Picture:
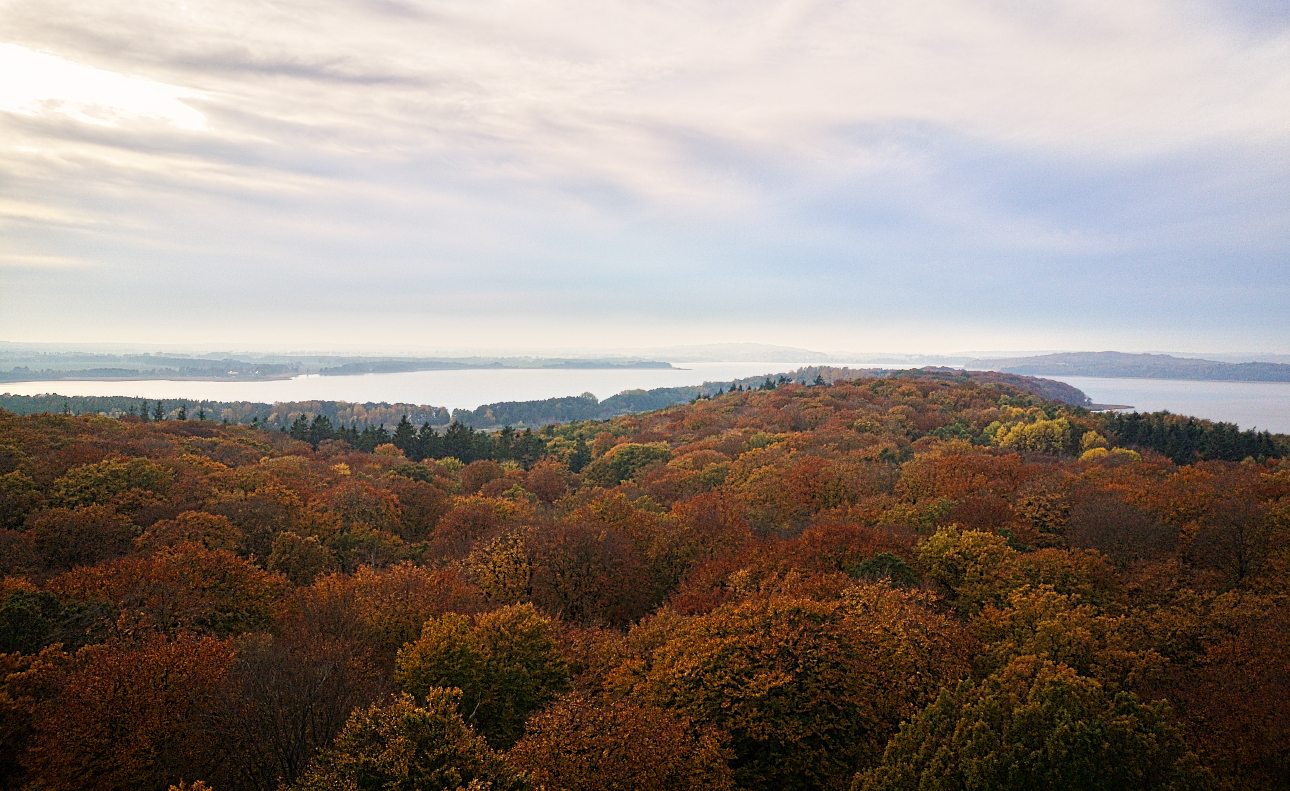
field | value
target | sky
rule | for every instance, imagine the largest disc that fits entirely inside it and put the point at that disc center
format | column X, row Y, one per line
column 928, row 176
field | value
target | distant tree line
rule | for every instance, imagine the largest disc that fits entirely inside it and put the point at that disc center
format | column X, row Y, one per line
column 156, row 367
column 458, row 441
column 276, row 415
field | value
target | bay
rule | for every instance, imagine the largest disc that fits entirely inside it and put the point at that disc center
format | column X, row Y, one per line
column 1250, row 405
column 462, row 389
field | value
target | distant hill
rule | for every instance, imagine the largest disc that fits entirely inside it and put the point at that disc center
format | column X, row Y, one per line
column 1044, row 388
column 1137, row 366
column 586, row 407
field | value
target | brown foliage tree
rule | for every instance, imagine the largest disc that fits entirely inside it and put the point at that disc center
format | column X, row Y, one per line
column 209, row 530
column 184, row 587
column 614, row 745
column 808, row 691
column 478, row 473
column 284, row 700
column 378, row 609
column 588, row 573
column 421, row 505
column 126, row 715
column 82, row 536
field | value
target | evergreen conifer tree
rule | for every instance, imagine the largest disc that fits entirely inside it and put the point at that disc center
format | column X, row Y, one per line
column 427, row 443
column 405, row 437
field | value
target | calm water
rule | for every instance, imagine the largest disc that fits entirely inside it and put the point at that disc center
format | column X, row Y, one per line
column 1261, row 405
column 452, row 389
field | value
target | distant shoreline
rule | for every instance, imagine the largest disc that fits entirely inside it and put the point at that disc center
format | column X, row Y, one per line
column 334, row 372
column 274, row 378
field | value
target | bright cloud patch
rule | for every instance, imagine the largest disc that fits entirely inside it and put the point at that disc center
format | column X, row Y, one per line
column 34, row 83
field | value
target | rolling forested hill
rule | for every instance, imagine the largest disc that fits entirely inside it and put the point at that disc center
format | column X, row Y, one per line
column 1145, row 366
column 916, row 581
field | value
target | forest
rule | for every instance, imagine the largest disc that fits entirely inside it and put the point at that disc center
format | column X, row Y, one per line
column 924, row 581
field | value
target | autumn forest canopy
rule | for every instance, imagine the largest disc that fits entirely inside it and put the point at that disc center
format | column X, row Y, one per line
column 924, row 581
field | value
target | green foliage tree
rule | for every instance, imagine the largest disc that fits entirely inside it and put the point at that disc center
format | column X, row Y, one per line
column 405, row 437
column 19, row 496
column 408, row 745
column 99, row 483
column 1037, row 726
column 581, row 455
column 299, row 428
column 506, row 665
column 27, row 617
column 973, row 567
column 622, row 462
column 299, row 558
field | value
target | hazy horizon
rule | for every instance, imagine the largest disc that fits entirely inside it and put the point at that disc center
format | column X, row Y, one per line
column 680, row 353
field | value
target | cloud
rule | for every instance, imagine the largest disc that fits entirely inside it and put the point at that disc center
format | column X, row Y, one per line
column 514, row 164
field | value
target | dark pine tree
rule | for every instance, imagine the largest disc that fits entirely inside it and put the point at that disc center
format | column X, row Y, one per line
column 405, row 437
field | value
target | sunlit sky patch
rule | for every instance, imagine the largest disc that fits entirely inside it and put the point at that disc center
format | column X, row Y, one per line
column 36, row 82
column 928, row 176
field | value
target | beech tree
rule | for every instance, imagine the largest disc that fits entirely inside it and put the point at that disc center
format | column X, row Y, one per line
column 283, row 700
column 808, row 691
column 127, row 715
column 578, row 744
column 505, row 663
column 70, row 537
column 410, row 745
column 588, row 573
column 95, row 484
column 1037, row 725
